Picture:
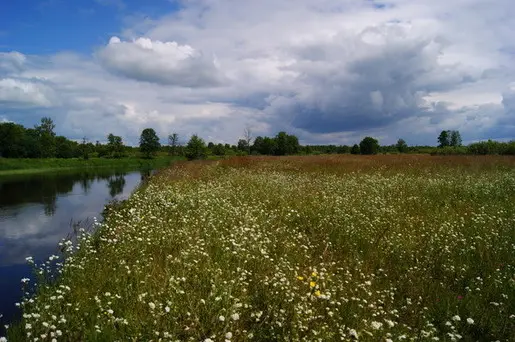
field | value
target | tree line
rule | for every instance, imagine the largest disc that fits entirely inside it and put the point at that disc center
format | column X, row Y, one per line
column 16, row 141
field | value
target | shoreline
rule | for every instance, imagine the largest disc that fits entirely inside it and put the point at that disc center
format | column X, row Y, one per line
column 40, row 166
column 260, row 248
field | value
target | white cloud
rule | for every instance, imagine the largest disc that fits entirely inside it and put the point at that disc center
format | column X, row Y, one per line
column 25, row 93
column 160, row 62
column 327, row 70
column 11, row 61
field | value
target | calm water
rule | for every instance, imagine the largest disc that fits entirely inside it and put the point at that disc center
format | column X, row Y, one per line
column 37, row 211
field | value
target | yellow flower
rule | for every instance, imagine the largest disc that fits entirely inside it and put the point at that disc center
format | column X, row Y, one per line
column 314, row 274
column 300, row 277
column 317, row 293
column 312, row 284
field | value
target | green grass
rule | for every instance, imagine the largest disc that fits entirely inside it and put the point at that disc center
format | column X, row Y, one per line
column 413, row 248
column 13, row 166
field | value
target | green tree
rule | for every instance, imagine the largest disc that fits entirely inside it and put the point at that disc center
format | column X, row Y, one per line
column 46, row 126
column 343, row 149
column 46, row 137
column 455, row 139
column 265, row 146
column 243, row 145
column 31, row 144
column 369, row 145
column 64, row 148
column 257, row 147
column 85, row 150
column 12, row 137
column 149, row 142
column 281, row 140
column 444, row 139
column 196, row 148
column 286, row 144
column 293, row 145
column 115, row 146
column 401, row 146
column 219, row 150
column 355, row 149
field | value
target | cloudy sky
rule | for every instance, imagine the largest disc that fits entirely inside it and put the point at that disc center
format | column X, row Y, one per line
column 329, row 71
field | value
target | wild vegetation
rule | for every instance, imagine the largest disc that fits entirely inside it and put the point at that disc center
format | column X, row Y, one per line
column 41, row 141
column 9, row 166
column 319, row 248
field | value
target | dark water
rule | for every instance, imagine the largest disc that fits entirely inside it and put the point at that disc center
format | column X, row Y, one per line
column 37, row 211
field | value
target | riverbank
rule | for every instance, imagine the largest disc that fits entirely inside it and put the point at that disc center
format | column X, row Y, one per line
column 12, row 166
column 294, row 248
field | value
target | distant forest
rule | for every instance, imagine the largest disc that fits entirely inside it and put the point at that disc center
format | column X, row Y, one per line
column 17, row 141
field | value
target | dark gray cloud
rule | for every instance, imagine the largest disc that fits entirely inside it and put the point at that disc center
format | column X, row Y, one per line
column 377, row 85
column 330, row 72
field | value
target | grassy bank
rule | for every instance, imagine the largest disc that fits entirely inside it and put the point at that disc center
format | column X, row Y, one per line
column 10, row 166
column 382, row 248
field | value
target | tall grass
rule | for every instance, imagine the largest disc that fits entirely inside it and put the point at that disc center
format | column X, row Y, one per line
column 25, row 165
column 384, row 248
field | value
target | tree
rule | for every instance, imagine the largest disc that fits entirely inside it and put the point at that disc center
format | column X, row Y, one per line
column 115, row 145
column 281, row 140
column 369, row 145
column 243, row 145
column 455, row 140
column 64, row 148
column 149, row 142
column 218, row 150
column 401, row 146
column 47, row 126
column 84, row 148
column 173, row 142
column 31, row 144
column 247, row 136
column 12, row 138
column 443, row 139
column 293, row 145
column 286, row 144
column 46, row 137
column 269, row 146
column 196, row 148
column 343, row 149
column 257, row 147
column 355, row 149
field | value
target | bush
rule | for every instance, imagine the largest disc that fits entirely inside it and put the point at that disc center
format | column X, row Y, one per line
column 450, row 151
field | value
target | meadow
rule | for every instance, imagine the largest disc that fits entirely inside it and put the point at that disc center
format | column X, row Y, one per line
column 19, row 166
column 316, row 248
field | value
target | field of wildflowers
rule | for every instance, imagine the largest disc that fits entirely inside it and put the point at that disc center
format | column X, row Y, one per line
column 380, row 248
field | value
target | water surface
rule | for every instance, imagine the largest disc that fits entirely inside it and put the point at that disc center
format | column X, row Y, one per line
column 37, row 211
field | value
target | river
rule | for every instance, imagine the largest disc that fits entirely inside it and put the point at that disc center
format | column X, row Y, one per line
column 37, row 211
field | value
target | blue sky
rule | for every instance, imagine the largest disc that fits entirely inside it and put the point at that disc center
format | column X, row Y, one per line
column 329, row 71
column 52, row 26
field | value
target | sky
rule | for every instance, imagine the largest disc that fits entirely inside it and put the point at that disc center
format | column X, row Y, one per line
column 328, row 71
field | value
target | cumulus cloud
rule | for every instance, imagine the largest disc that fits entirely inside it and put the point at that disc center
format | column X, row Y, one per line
column 330, row 71
column 11, row 61
column 166, row 63
column 382, row 80
column 330, row 67
column 25, row 93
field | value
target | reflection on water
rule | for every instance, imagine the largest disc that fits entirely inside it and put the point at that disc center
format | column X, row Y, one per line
column 36, row 212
